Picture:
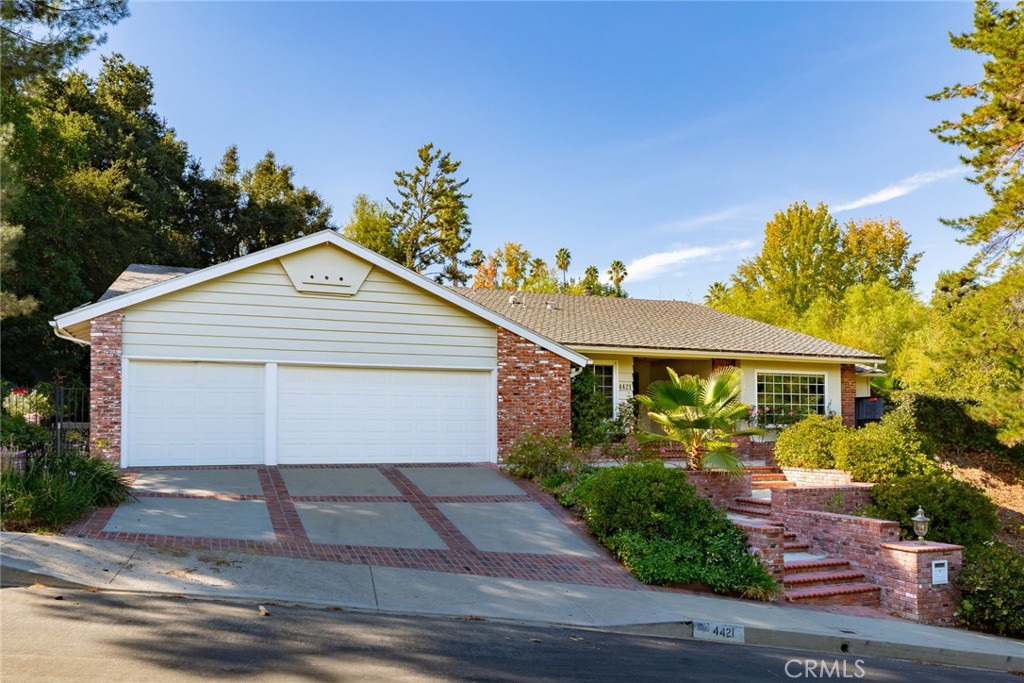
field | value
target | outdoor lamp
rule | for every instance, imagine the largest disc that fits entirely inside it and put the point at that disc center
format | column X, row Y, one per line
column 920, row 524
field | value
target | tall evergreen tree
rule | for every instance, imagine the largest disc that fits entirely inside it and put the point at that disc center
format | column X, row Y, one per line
column 430, row 216
column 994, row 130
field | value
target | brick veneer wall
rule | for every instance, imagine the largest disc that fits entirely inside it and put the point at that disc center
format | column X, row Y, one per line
column 857, row 539
column 105, row 386
column 902, row 569
column 533, row 390
column 908, row 591
column 806, row 477
column 748, row 449
column 770, row 543
column 720, row 488
column 844, row 499
column 848, row 389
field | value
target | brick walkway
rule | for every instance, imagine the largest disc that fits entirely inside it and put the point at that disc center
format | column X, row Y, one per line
column 461, row 556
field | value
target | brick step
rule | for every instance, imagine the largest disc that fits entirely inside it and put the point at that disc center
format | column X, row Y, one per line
column 761, row 485
column 825, row 564
column 853, row 594
column 795, row 546
column 789, row 535
column 750, row 510
column 767, row 476
column 759, row 502
column 801, row 579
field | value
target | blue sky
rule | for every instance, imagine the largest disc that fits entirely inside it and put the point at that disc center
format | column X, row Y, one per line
column 661, row 134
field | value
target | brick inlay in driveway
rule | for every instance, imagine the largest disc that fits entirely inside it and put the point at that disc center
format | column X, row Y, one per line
column 452, row 485
column 388, row 525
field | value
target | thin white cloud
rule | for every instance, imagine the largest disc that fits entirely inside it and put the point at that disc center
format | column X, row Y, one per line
column 704, row 219
column 651, row 266
column 898, row 189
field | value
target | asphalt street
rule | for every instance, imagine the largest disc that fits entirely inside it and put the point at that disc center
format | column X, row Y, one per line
column 55, row 634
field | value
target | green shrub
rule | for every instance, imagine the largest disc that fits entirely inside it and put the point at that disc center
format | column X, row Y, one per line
column 538, row 457
column 590, row 410
column 947, row 422
column 654, row 521
column 992, row 584
column 883, row 450
column 57, row 489
column 646, row 497
column 27, row 403
column 22, row 436
column 959, row 513
column 810, row 443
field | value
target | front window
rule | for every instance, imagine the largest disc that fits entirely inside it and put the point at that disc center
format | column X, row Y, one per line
column 783, row 396
column 605, row 375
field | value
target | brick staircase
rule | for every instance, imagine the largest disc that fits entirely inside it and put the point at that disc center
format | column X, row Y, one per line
column 767, row 477
column 808, row 579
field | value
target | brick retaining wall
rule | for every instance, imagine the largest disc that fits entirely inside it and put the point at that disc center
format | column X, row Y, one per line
column 807, row 477
column 720, row 488
column 840, row 499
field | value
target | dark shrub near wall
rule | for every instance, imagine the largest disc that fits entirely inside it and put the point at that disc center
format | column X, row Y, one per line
column 657, row 525
column 959, row 512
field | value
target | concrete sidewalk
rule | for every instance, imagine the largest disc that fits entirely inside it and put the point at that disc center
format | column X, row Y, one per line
column 134, row 567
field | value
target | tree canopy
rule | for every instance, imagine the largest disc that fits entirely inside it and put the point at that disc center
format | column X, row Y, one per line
column 430, row 216
column 993, row 132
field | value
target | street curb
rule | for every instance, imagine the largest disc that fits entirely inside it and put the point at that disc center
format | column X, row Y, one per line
column 841, row 646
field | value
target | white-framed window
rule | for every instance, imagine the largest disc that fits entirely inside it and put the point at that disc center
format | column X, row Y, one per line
column 783, row 393
column 605, row 375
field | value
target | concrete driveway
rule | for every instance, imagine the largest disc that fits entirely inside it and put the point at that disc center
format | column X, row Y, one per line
column 469, row 519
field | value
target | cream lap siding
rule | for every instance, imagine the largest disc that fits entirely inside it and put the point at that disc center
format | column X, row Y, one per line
column 257, row 315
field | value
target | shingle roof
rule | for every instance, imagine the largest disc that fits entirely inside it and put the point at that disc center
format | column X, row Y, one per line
column 139, row 275
column 593, row 321
column 603, row 321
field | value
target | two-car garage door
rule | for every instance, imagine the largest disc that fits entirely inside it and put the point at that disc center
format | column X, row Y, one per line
column 184, row 413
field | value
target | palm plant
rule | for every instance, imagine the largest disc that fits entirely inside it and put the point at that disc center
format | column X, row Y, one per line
column 701, row 414
column 562, row 260
column 617, row 273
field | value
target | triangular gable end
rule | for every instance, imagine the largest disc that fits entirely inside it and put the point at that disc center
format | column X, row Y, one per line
column 289, row 253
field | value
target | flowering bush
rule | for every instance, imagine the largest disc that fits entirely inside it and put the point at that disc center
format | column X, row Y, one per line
column 780, row 416
column 22, row 402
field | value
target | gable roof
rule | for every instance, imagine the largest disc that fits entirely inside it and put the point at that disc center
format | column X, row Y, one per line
column 154, row 281
column 592, row 321
column 139, row 276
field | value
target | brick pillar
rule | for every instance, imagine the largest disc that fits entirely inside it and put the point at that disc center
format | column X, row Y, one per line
column 105, row 387
column 907, row 588
column 848, row 389
column 717, row 363
column 533, row 390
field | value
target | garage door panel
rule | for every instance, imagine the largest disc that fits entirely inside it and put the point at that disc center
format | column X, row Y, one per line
column 370, row 415
column 183, row 413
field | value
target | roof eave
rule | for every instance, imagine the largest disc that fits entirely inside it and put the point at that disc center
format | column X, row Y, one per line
column 660, row 352
column 328, row 236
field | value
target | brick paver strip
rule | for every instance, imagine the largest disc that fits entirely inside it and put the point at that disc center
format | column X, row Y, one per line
column 462, row 557
column 283, row 515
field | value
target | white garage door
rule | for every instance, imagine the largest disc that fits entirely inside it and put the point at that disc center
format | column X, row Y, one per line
column 194, row 414
column 351, row 415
